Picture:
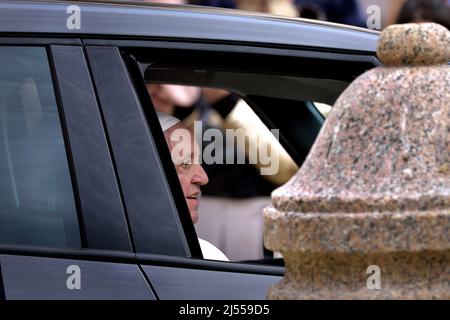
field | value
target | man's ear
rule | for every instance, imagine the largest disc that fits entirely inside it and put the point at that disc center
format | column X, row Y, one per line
column 180, row 150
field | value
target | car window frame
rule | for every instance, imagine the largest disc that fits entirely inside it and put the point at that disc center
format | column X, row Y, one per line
column 85, row 216
column 143, row 126
column 103, row 218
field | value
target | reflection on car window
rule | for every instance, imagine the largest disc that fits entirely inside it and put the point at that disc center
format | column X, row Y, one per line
column 37, row 204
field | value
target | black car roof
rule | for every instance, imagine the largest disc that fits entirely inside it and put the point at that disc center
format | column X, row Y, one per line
column 145, row 20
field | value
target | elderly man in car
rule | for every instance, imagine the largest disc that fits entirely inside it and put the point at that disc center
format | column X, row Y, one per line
column 184, row 151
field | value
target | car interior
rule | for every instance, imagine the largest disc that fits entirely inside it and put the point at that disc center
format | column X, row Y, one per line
column 282, row 98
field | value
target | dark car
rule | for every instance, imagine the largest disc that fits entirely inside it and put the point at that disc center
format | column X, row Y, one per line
column 90, row 203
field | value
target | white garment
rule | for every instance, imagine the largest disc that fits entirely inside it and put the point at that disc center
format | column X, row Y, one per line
column 235, row 226
column 211, row 252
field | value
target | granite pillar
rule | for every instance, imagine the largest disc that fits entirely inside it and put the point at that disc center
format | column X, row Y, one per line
column 375, row 187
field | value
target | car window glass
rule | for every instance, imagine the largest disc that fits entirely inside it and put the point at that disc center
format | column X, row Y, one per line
column 37, row 205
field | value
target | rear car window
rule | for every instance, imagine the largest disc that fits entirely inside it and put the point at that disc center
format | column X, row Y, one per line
column 37, row 205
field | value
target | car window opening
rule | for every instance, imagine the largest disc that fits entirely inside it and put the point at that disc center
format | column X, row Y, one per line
column 235, row 156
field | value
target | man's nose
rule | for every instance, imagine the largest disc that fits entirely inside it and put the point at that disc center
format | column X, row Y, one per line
column 200, row 177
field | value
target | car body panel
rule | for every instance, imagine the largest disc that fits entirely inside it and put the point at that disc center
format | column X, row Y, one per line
column 187, row 284
column 49, row 278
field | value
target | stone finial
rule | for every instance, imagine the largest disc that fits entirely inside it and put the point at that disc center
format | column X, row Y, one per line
column 375, row 188
column 414, row 44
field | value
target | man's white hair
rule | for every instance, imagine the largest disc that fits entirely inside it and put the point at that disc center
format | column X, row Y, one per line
column 167, row 121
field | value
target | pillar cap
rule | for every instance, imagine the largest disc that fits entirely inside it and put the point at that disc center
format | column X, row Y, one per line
column 414, row 44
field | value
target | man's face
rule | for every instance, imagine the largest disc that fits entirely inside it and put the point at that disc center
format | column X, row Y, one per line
column 184, row 151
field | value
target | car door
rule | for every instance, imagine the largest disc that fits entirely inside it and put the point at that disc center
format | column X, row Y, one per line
column 63, row 231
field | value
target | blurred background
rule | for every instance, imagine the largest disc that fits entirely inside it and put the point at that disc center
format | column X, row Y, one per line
column 373, row 14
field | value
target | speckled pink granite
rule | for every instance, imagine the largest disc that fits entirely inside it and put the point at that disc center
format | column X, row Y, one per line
column 414, row 44
column 376, row 184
